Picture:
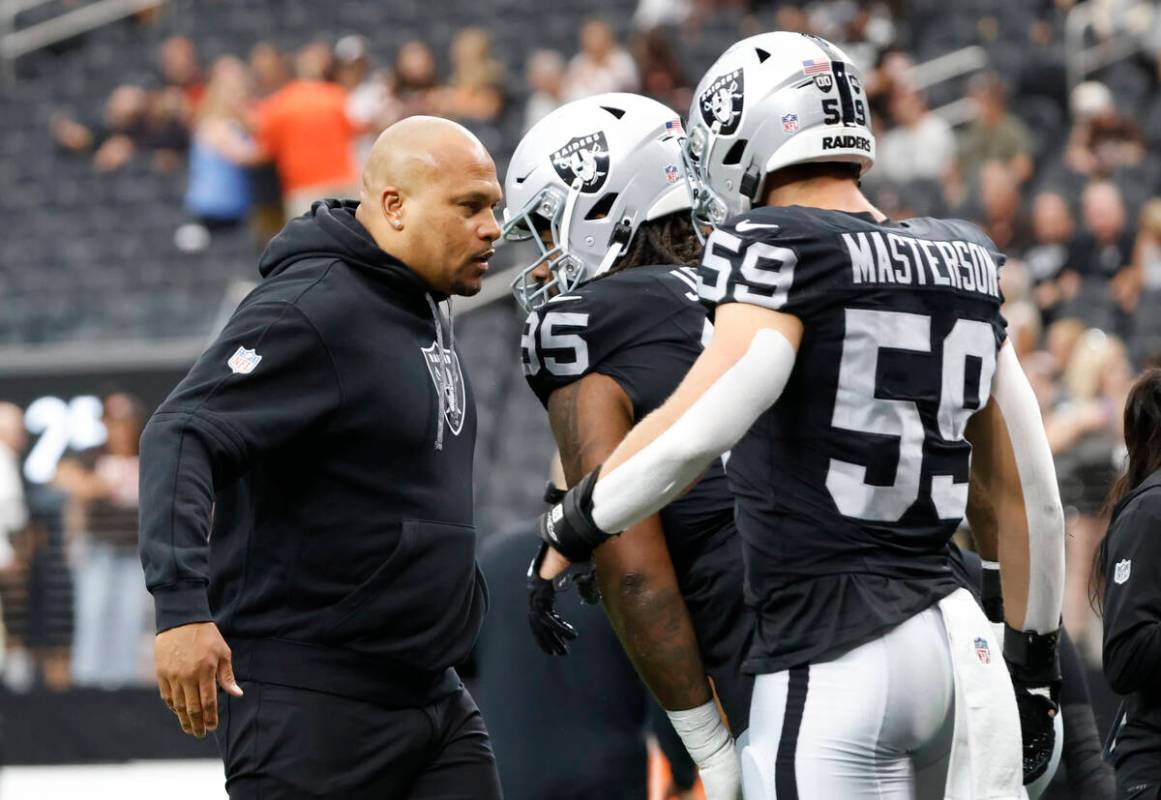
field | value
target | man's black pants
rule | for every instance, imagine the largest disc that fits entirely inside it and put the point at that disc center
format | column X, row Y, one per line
column 280, row 743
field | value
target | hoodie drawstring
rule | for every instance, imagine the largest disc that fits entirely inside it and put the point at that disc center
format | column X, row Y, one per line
column 445, row 366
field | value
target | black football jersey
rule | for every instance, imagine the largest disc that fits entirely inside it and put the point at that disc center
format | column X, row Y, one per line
column 643, row 327
column 850, row 486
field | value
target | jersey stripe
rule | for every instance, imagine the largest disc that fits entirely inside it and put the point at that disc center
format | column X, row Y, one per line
column 785, row 776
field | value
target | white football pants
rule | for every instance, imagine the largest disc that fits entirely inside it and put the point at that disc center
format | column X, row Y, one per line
column 874, row 723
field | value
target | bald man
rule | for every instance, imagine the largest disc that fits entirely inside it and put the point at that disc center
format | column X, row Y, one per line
column 326, row 437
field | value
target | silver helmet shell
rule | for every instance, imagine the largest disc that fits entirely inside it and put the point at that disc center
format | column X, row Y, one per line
column 590, row 173
column 768, row 102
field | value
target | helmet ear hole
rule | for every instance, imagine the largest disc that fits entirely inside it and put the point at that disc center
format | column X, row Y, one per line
column 601, row 208
column 734, row 154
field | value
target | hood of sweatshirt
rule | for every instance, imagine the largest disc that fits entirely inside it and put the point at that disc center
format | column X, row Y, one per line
column 1153, row 481
column 330, row 230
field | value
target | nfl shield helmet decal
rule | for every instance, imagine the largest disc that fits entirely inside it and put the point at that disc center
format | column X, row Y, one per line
column 983, row 652
column 1122, row 571
column 583, row 163
column 447, row 377
column 721, row 103
column 790, row 123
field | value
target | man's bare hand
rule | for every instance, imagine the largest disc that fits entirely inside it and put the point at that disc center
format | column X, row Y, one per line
column 191, row 660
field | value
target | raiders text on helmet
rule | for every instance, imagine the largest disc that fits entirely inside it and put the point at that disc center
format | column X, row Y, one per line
column 771, row 101
column 582, row 181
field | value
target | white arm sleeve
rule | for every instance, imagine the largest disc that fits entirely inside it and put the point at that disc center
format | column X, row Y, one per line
column 655, row 475
column 1042, row 505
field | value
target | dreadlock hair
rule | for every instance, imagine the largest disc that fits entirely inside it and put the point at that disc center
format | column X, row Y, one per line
column 1143, row 440
column 665, row 240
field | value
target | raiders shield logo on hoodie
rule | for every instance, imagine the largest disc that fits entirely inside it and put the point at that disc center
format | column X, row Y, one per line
column 449, row 380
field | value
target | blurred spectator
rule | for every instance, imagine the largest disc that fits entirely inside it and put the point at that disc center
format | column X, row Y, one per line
column 995, row 134
column 268, row 74
column 921, row 146
column 414, row 81
column 367, row 92
column 1097, row 283
column 1061, row 339
column 221, row 148
column 652, row 14
column 476, row 89
column 352, row 64
column 1102, row 141
column 1001, row 213
column 1085, row 437
column 178, row 60
column 13, row 510
column 1024, row 327
column 102, row 518
column 1142, row 287
column 601, row 65
column 267, row 69
column 47, row 624
column 545, row 75
column 134, row 119
column 1052, row 243
column 304, row 129
column 662, row 76
column 892, row 73
column 14, row 658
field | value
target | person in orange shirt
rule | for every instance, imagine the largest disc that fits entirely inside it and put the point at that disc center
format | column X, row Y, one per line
column 303, row 128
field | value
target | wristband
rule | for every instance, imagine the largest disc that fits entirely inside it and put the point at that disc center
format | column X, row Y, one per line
column 1033, row 658
column 701, row 731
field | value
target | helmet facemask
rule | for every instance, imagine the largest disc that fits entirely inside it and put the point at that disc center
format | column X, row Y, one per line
column 543, row 214
column 707, row 208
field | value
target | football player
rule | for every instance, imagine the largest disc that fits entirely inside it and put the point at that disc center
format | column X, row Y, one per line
column 859, row 374
column 613, row 325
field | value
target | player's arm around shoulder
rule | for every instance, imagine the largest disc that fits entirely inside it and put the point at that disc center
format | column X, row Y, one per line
column 638, row 585
column 741, row 373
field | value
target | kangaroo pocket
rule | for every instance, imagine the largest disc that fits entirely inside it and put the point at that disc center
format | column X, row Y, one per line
column 422, row 608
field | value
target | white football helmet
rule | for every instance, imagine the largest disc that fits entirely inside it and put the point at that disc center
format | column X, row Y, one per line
column 768, row 102
column 590, row 173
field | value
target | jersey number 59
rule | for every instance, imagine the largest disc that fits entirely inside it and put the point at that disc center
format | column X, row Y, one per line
column 858, row 409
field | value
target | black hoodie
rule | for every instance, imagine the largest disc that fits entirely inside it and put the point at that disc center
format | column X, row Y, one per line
column 1131, row 556
column 332, row 448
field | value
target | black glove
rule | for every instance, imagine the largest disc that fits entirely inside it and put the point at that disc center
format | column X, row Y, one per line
column 568, row 527
column 551, row 632
column 1034, row 664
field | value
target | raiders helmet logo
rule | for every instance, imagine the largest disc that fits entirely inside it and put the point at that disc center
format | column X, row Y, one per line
column 824, row 81
column 721, row 102
column 853, row 80
column 583, row 163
